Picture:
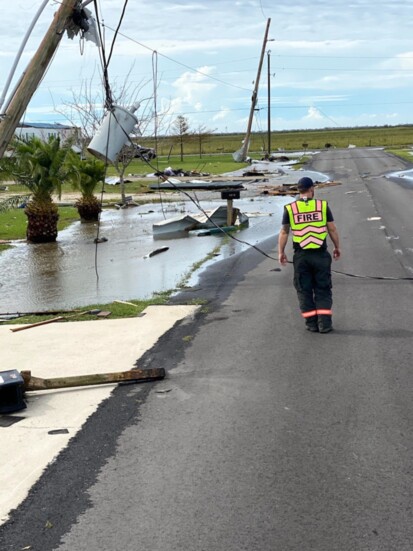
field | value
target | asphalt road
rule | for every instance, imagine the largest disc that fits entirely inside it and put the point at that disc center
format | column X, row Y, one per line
column 265, row 437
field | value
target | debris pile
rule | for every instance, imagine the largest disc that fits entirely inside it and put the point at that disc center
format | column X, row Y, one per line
column 169, row 171
column 291, row 189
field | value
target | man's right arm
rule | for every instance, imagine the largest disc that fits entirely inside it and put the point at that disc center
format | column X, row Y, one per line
column 282, row 242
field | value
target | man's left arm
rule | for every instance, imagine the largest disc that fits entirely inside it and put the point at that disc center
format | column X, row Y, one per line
column 333, row 233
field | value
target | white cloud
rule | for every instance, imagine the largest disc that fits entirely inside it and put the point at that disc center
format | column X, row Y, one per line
column 313, row 114
column 224, row 113
column 402, row 61
column 354, row 58
column 191, row 88
column 186, row 7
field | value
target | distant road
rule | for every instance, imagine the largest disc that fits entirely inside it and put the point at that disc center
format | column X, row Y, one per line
column 363, row 173
column 266, row 437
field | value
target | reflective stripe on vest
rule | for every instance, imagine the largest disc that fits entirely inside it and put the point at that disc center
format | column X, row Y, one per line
column 319, row 312
column 308, row 221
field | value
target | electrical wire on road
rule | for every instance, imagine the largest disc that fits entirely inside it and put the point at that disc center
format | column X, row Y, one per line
column 243, row 242
column 198, row 205
column 384, row 278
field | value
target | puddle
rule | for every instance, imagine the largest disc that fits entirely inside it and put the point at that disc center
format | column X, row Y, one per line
column 75, row 271
column 403, row 174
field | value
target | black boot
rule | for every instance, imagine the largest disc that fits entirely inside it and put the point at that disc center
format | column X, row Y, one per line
column 325, row 324
column 311, row 324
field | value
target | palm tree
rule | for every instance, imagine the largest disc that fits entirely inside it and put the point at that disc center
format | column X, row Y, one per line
column 40, row 166
column 86, row 175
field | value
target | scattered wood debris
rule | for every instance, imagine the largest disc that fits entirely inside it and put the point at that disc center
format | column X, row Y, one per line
column 53, row 320
column 287, row 189
column 125, row 302
column 156, row 251
column 103, row 314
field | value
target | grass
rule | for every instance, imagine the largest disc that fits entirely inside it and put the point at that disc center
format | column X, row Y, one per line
column 117, row 310
column 184, row 281
column 293, row 140
column 213, row 164
column 405, row 154
column 13, row 223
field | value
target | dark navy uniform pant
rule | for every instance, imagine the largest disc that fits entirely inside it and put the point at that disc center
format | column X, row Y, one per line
column 312, row 280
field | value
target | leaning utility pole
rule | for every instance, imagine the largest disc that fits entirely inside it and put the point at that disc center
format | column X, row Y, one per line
column 34, row 73
column 241, row 155
column 269, row 104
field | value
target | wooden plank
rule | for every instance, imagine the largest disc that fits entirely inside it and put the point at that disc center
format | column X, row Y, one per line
column 52, row 320
column 125, row 302
column 37, row 383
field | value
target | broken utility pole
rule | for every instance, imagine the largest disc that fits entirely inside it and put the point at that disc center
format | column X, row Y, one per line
column 34, row 73
column 240, row 156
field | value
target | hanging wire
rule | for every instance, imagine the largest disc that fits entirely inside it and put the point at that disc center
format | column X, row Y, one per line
column 104, row 62
column 109, row 107
column 101, row 202
column 117, row 30
column 262, row 10
column 179, row 63
column 155, row 108
column 257, row 115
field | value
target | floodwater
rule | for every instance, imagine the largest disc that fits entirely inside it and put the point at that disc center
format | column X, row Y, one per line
column 404, row 174
column 75, row 272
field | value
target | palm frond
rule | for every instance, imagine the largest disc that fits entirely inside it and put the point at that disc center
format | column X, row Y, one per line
column 13, row 202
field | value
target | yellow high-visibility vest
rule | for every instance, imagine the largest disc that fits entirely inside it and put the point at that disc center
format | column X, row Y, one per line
column 308, row 221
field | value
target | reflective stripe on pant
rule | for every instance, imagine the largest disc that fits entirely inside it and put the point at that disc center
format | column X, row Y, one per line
column 312, row 281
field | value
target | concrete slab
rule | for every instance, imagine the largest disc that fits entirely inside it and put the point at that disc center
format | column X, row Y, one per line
column 59, row 349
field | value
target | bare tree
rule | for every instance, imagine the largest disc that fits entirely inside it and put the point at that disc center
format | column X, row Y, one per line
column 86, row 111
column 181, row 128
column 202, row 133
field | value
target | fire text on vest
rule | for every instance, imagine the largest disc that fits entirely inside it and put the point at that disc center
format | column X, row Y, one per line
column 307, row 217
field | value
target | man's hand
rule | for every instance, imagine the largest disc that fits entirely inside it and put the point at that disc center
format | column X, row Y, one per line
column 336, row 254
column 282, row 259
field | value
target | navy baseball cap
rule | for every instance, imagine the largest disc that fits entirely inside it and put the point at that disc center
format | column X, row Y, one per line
column 305, row 183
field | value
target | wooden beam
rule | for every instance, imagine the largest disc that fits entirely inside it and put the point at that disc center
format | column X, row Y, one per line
column 229, row 212
column 37, row 324
column 52, row 320
column 135, row 375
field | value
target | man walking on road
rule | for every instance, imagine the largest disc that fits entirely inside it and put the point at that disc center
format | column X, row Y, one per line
column 311, row 221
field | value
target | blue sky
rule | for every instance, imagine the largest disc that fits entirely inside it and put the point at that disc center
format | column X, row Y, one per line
column 332, row 64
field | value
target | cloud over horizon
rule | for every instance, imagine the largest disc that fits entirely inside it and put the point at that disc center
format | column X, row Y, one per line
column 324, row 54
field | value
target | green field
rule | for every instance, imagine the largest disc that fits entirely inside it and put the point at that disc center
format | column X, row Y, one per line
column 295, row 140
column 213, row 153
